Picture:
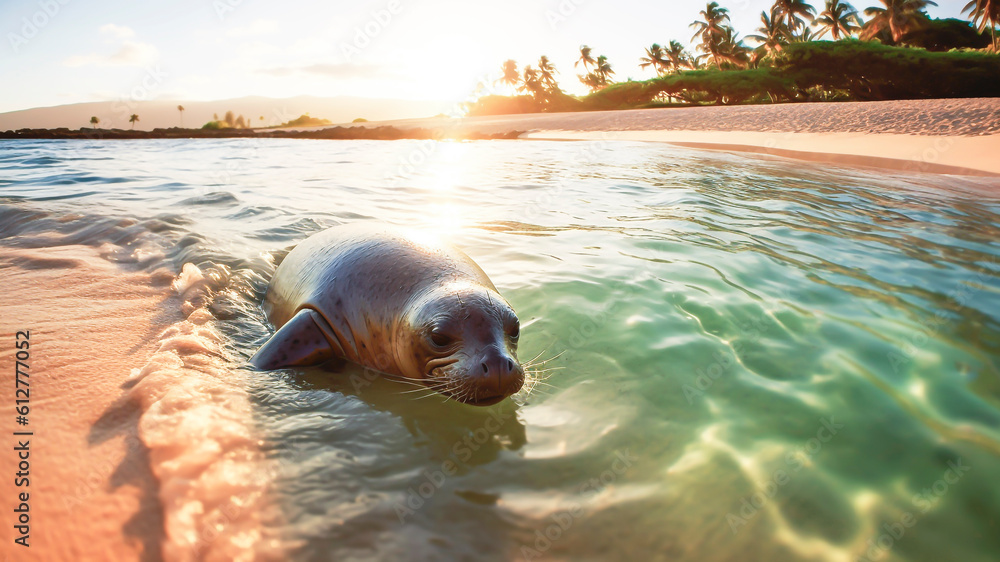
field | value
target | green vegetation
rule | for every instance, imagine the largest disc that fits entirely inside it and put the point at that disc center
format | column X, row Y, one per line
column 229, row 121
column 697, row 86
column 132, row 119
column 94, row 121
column 306, row 121
column 897, row 53
column 870, row 71
column 815, row 71
column 945, row 35
column 360, row 120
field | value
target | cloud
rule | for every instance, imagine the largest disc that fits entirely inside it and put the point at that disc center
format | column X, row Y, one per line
column 130, row 53
column 344, row 70
column 258, row 27
column 117, row 31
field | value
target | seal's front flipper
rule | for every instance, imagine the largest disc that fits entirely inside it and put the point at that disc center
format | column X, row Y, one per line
column 300, row 342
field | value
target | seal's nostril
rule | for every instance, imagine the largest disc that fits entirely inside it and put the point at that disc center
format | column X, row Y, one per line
column 510, row 365
column 485, row 368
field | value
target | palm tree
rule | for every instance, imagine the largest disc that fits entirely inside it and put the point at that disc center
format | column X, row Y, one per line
column 511, row 76
column 806, row 36
column 839, row 18
column 675, row 57
column 654, row 58
column 732, row 50
column 133, row 119
column 180, row 109
column 711, row 30
column 603, row 68
column 897, row 17
column 772, row 34
column 598, row 78
column 585, row 58
column 983, row 13
column 793, row 13
column 530, row 81
column 593, row 81
column 94, row 121
column 547, row 73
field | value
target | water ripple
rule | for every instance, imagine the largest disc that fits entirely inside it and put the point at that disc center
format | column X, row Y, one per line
column 716, row 316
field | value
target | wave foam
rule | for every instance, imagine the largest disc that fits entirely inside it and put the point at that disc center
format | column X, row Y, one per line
column 196, row 423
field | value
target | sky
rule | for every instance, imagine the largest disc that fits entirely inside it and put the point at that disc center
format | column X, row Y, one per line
column 57, row 52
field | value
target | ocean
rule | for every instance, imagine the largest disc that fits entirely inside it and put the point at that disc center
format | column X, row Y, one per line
column 741, row 357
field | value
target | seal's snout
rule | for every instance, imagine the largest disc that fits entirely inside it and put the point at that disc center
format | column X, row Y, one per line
column 501, row 374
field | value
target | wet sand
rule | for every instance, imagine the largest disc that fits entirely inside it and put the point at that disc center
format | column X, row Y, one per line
column 956, row 155
column 143, row 446
column 92, row 493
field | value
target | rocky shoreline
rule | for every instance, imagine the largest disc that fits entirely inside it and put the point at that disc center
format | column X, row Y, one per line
column 342, row 133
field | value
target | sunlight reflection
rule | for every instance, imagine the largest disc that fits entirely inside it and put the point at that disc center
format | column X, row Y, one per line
column 445, row 220
column 447, row 167
column 446, row 211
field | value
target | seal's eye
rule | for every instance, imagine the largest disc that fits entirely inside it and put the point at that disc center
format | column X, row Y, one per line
column 514, row 330
column 440, row 339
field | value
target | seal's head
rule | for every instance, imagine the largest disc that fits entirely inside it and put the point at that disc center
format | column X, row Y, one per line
column 461, row 340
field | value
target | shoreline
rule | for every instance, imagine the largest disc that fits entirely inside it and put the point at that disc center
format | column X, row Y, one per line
column 947, row 155
column 937, row 136
column 127, row 371
column 336, row 132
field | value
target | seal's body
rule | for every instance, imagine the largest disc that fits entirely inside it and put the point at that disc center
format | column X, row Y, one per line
column 385, row 300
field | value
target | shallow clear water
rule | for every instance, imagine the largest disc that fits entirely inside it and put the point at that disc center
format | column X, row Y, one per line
column 756, row 359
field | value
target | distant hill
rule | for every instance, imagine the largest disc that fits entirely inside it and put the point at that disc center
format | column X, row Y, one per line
column 163, row 113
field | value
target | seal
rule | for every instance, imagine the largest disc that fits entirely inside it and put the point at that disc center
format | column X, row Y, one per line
column 396, row 303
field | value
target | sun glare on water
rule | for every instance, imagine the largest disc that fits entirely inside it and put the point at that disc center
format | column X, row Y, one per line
column 447, row 208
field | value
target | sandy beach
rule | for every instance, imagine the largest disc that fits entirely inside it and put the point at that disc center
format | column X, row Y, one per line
column 950, row 136
column 97, row 474
column 139, row 441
